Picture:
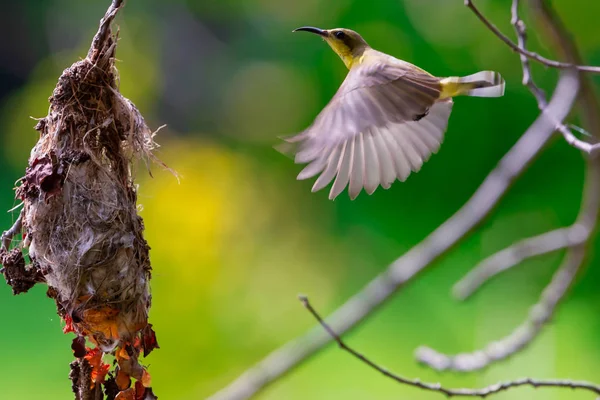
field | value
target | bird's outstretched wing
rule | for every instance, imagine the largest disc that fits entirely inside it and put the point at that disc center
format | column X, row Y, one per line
column 383, row 123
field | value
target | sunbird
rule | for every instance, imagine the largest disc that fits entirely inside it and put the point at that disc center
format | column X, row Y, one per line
column 385, row 120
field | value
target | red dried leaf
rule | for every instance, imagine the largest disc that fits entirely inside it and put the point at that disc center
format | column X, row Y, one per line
column 123, row 380
column 144, row 393
column 149, row 341
column 44, row 175
column 126, row 395
column 99, row 369
column 68, row 324
column 140, row 391
column 78, row 347
column 99, row 375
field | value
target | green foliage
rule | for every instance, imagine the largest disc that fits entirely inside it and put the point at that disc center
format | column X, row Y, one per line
column 235, row 242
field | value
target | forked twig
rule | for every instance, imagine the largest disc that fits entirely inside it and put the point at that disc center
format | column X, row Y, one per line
column 14, row 230
column 436, row 387
column 524, row 52
column 505, row 259
column 574, row 238
column 521, row 336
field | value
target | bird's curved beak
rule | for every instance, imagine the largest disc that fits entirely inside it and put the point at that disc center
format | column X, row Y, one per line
column 312, row 29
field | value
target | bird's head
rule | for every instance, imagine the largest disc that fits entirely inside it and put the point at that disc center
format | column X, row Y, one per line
column 347, row 44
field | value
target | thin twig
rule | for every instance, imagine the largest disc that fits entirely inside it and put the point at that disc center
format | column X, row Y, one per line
column 420, row 257
column 104, row 31
column 563, row 44
column 542, row 312
column 381, row 288
column 579, row 144
column 14, row 230
column 521, row 31
column 436, row 387
column 505, row 259
column 524, row 334
column 540, row 96
column 525, row 52
column 582, row 230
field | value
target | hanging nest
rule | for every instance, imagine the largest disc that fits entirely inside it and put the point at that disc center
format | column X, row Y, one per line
column 80, row 224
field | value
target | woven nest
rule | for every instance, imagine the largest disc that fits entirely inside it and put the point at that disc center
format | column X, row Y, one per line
column 80, row 214
column 79, row 219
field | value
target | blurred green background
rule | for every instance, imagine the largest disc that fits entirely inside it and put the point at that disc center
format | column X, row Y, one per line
column 239, row 237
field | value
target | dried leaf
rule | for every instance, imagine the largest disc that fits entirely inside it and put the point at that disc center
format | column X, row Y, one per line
column 69, row 325
column 149, row 341
column 128, row 394
column 140, row 391
column 102, row 321
column 123, row 380
column 17, row 275
column 99, row 369
column 78, row 347
column 146, row 379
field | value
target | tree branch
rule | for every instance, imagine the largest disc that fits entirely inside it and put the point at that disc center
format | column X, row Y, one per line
column 521, row 32
column 523, row 335
column 438, row 243
column 103, row 37
column 540, row 96
column 524, row 52
column 589, row 103
column 7, row 236
column 579, row 144
column 582, row 229
column 452, row 231
column 541, row 312
column 503, row 260
column 436, row 387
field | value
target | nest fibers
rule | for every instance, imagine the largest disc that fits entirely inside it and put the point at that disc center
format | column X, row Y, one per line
column 80, row 215
column 80, row 218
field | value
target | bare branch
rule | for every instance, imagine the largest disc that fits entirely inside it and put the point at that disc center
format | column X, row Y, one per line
column 523, row 51
column 564, row 45
column 505, row 259
column 438, row 243
column 580, row 232
column 538, row 93
column 572, row 140
column 524, row 334
column 8, row 235
column 436, row 387
column 578, row 235
column 102, row 37
column 448, row 234
column 521, row 32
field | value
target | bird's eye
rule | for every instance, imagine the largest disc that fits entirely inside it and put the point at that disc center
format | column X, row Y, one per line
column 340, row 35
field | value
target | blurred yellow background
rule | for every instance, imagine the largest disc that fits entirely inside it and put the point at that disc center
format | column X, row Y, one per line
column 238, row 238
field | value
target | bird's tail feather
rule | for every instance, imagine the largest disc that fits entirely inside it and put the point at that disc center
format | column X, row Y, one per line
column 480, row 84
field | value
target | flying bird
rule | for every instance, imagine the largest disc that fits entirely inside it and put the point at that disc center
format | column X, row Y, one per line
column 385, row 120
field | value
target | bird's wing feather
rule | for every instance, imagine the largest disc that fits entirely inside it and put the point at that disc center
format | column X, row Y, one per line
column 372, row 95
column 383, row 123
column 380, row 155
